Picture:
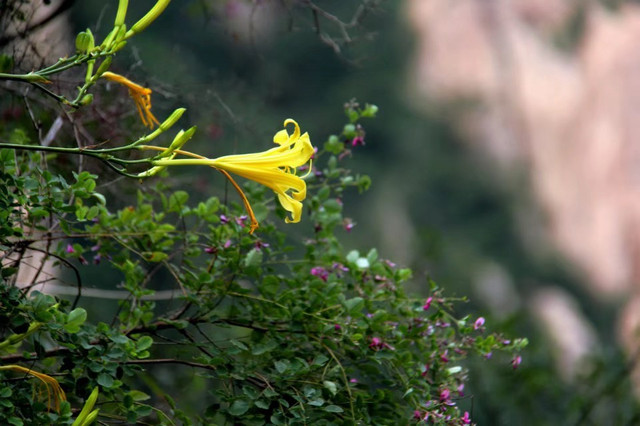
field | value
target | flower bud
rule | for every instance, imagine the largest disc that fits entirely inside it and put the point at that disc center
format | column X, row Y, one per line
column 85, row 41
column 147, row 19
column 86, row 99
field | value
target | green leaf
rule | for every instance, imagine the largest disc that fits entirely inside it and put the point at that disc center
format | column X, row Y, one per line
column 239, row 407
column 354, row 305
column 15, row 421
column 253, row 258
column 333, row 409
column 330, row 386
column 177, row 201
column 75, row 319
column 282, row 365
column 239, row 344
column 262, row 348
column 261, row 403
column 105, row 380
column 144, row 343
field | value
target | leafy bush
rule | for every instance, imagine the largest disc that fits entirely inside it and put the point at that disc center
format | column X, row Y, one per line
column 215, row 323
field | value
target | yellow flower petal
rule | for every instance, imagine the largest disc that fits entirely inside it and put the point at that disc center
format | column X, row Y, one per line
column 55, row 394
column 274, row 168
column 140, row 95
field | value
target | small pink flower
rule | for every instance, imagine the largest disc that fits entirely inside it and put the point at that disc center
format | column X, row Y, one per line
column 515, row 362
column 320, row 272
column 417, row 415
column 259, row 245
column 339, row 267
column 461, row 389
column 337, row 327
column 465, row 418
column 69, row 249
column 241, row 220
column 210, row 250
column 479, row 323
column 358, row 140
column 227, row 244
column 444, row 395
column 348, row 225
column 353, row 380
column 224, row 219
column 427, row 304
column 425, row 370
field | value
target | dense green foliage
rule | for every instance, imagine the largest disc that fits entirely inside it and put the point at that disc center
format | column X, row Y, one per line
column 282, row 331
column 212, row 325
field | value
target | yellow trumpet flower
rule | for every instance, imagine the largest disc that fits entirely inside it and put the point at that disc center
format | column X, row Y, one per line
column 51, row 385
column 274, row 168
column 140, row 95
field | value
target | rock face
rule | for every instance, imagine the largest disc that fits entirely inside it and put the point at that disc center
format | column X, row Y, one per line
column 571, row 115
column 36, row 31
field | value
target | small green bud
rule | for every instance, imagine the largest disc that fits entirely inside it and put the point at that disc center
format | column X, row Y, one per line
column 85, row 41
column 121, row 13
column 86, row 99
column 119, row 45
column 147, row 19
column 166, row 124
column 104, row 66
column 370, row 110
column 349, row 131
column 91, row 417
column 181, row 138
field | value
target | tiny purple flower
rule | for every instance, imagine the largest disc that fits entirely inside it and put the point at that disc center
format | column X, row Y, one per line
column 224, row 219
column 461, row 389
column 427, row 304
column 69, row 249
column 241, row 220
column 376, row 343
column 337, row 327
column 336, row 266
column 97, row 258
column 479, row 323
column 348, row 225
column 227, row 244
column 417, row 415
column 320, row 272
column 466, row 420
column 444, row 395
column 353, row 380
column 210, row 250
column 259, row 245
column 515, row 362
column 358, row 140
column 425, row 370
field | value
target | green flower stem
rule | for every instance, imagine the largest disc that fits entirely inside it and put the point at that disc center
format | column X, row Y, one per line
column 116, row 164
column 16, row 338
column 32, row 77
